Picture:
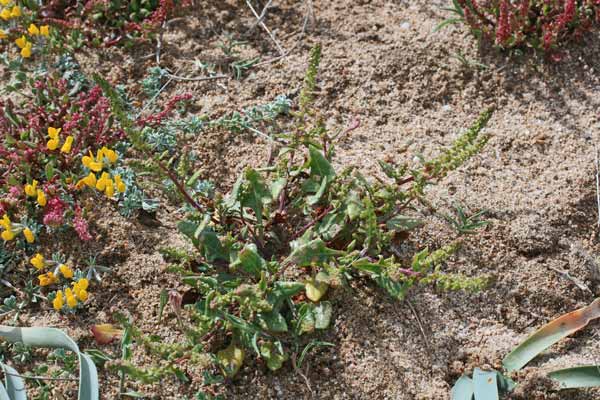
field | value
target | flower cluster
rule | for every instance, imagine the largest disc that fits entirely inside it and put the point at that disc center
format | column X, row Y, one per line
column 107, row 183
column 11, row 230
column 70, row 296
column 539, row 24
column 12, row 11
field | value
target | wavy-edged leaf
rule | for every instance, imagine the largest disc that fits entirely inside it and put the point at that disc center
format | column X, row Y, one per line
column 550, row 334
column 55, row 338
column 15, row 386
column 577, row 377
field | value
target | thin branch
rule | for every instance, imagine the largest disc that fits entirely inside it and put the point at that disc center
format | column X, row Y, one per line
column 42, row 378
column 264, row 26
column 196, row 79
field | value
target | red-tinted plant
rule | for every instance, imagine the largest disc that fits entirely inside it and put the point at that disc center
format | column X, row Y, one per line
column 541, row 24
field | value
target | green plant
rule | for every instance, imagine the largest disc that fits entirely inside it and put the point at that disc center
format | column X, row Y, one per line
column 489, row 385
column 544, row 25
column 271, row 247
column 463, row 223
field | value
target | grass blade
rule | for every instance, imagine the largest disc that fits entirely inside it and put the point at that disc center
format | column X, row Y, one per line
column 577, row 377
column 550, row 334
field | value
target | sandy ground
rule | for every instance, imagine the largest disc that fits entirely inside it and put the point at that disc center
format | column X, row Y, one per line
column 383, row 64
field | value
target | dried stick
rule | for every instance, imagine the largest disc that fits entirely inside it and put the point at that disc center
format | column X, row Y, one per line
column 264, row 26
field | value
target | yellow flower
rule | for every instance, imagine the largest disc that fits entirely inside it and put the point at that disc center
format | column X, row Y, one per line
column 102, row 182
column 26, row 51
column 44, row 30
column 120, row 185
column 47, row 279
column 53, row 132
column 81, row 284
column 58, row 301
column 5, row 2
column 90, row 180
column 33, row 30
column 111, row 155
column 66, row 148
column 31, row 190
column 38, row 261
column 110, row 188
column 71, row 300
column 5, row 222
column 28, row 235
column 21, row 42
column 8, row 235
column 65, row 271
column 5, row 14
column 52, row 144
column 15, row 12
column 41, row 198
column 3, row 34
column 82, row 295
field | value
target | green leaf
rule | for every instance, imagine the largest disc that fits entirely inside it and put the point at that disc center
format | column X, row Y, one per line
column 255, row 194
column 314, row 199
column 15, row 386
column 463, row 389
column 319, row 165
column 449, row 21
column 485, row 385
column 250, row 261
column 55, row 338
column 273, row 357
column 273, row 321
column 577, row 377
column 550, row 334
column 314, row 251
column 204, row 238
column 401, row 223
column 322, row 313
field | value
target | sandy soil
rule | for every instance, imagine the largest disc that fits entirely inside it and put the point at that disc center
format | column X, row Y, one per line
column 383, row 64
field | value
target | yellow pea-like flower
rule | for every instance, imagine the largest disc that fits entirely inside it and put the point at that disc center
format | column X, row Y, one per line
column 59, row 301
column 47, row 279
column 5, row 222
column 66, row 148
column 28, row 235
column 96, row 166
column 31, row 190
column 8, row 235
column 38, row 261
column 45, row 30
column 82, row 295
column 90, row 180
column 101, row 184
column 71, row 300
column 3, row 34
column 21, row 42
column 33, row 30
column 110, row 188
column 81, row 284
column 15, row 12
column 5, row 14
column 5, row 2
column 111, row 155
column 65, row 271
column 53, row 132
column 52, row 144
column 120, row 184
column 41, row 198
column 26, row 51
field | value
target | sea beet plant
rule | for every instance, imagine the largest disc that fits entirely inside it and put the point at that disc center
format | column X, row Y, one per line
column 541, row 24
column 269, row 249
